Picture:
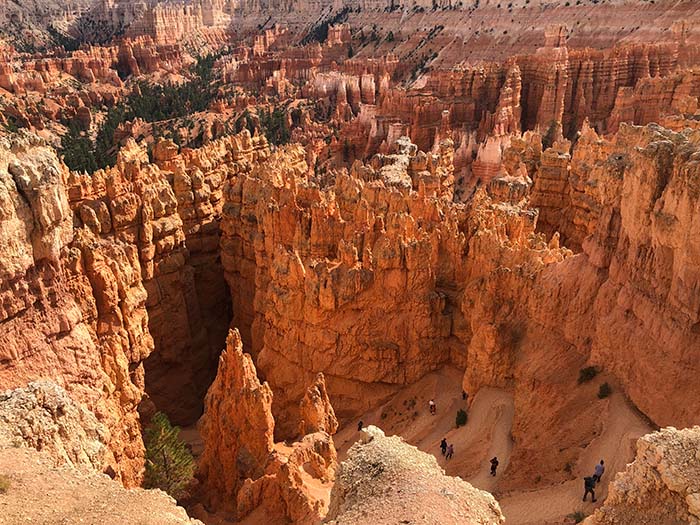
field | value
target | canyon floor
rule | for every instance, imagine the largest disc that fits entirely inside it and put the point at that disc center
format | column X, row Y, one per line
column 488, row 434
column 266, row 221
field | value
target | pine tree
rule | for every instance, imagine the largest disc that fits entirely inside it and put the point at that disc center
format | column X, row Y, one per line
column 169, row 465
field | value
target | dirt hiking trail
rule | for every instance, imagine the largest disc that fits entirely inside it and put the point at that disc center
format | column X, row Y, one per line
column 488, row 434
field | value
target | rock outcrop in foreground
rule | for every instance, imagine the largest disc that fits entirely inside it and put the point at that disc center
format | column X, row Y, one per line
column 385, row 480
column 43, row 494
column 661, row 486
column 59, row 482
column 44, row 417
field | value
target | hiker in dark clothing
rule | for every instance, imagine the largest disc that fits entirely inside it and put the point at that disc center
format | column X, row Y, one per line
column 359, row 425
column 464, row 395
column 443, row 446
column 450, row 451
column 599, row 470
column 589, row 485
column 494, row 465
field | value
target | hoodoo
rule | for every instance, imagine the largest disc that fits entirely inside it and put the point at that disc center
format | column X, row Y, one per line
column 238, row 238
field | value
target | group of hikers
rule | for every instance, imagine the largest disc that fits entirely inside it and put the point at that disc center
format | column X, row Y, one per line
column 448, row 450
column 589, row 482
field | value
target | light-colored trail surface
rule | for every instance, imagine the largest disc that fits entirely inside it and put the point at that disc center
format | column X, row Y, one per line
column 488, row 433
column 622, row 426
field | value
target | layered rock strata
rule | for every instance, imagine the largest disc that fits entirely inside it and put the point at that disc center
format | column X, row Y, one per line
column 380, row 270
column 316, row 257
column 73, row 305
column 99, row 267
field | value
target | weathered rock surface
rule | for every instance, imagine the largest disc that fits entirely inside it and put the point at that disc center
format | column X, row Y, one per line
column 384, row 480
column 237, row 426
column 40, row 492
column 661, row 486
column 44, row 417
column 365, row 275
column 73, row 306
column 315, row 410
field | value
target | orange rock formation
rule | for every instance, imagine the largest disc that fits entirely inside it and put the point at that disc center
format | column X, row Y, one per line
column 242, row 468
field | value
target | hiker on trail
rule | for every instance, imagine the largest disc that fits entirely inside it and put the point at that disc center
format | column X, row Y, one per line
column 359, row 425
column 599, row 470
column 443, row 446
column 589, row 485
column 494, row 465
column 431, row 405
column 450, row 451
column 464, row 395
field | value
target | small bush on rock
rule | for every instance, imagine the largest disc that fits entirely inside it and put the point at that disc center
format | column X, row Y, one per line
column 604, row 391
column 461, row 418
column 586, row 374
column 169, row 465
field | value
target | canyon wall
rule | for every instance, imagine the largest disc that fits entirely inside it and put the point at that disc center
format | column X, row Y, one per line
column 97, row 274
column 73, row 305
column 169, row 211
column 375, row 277
column 362, row 278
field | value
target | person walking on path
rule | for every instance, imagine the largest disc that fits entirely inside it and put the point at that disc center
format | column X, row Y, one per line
column 431, row 406
column 599, row 471
column 359, row 425
column 450, row 451
column 443, row 446
column 589, row 486
column 494, row 465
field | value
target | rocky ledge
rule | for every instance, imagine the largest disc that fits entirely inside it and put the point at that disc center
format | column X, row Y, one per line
column 385, row 480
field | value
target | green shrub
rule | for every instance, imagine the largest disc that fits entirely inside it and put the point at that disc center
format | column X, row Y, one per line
column 77, row 150
column 169, row 465
column 4, row 484
column 461, row 418
column 578, row 516
column 604, row 391
column 274, row 126
column 586, row 374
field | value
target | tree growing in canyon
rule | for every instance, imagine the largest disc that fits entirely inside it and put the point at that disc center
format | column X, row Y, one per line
column 169, row 465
